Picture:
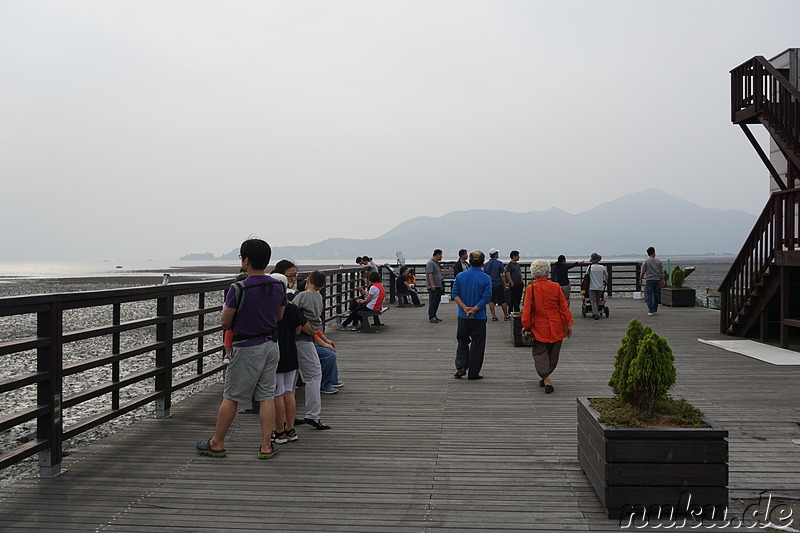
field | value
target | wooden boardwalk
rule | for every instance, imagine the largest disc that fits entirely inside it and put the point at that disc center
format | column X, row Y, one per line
column 412, row 448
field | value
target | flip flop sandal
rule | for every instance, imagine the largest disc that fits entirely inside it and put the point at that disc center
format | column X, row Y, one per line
column 203, row 447
column 267, row 455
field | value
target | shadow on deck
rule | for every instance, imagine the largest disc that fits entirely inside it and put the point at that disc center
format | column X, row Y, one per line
column 412, row 448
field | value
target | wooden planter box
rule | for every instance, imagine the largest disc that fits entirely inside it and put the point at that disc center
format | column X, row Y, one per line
column 672, row 297
column 516, row 330
column 631, row 468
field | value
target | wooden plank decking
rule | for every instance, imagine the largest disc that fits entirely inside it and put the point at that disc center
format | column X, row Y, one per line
column 412, row 448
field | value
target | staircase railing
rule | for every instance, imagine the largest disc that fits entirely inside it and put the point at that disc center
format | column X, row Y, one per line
column 758, row 89
column 776, row 230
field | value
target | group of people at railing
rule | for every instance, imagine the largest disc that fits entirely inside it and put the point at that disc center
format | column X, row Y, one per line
column 546, row 317
column 274, row 332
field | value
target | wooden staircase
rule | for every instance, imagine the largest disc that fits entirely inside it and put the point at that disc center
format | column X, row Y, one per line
column 760, row 296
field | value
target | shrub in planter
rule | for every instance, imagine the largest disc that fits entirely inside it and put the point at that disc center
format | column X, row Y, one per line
column 643, row 447
column 677, row 277
column 644, row 369
column 675, row 294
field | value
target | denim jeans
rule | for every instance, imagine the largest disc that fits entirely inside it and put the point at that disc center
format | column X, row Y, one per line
column 330, row 372
column 652, row 294
column 435, row 297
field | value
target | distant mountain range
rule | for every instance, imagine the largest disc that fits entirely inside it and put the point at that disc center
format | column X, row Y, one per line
column 627, row 225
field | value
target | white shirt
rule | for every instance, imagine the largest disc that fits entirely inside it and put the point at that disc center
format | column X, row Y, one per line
column 597, row 275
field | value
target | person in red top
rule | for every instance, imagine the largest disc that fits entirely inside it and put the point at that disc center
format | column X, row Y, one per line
column 372, row 301
column 546, row 314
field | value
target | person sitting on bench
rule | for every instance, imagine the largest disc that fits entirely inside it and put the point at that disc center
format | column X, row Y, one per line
column 372, row 301
column 405, row 289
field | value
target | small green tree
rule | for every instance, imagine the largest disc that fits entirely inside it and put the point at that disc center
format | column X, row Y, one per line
column 677, row 277
column 644, row 369
column 625, row 354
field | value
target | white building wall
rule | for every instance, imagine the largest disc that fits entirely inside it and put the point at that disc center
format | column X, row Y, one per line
column 789, row 59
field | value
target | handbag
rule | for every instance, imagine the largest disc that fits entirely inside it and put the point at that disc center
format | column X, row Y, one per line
column 527, row 335
column 586, row 280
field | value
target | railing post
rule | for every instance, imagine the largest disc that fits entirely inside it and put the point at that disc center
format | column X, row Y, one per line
column 116, row 320
column 50, row 427
column 610, row 280
column 164, row 308
column 638, row 277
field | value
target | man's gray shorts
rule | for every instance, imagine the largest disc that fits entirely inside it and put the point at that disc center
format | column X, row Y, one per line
column 251, row 373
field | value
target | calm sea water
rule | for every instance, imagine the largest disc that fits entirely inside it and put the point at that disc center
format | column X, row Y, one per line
column 10, row 270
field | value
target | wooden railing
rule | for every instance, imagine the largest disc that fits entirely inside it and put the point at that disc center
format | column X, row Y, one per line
column 74, row 361
column 775, row 230
column 759, row 90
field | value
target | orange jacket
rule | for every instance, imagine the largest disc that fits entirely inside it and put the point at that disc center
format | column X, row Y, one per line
column 551, row 314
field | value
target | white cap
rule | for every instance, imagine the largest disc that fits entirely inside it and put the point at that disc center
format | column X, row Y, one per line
column 281, row 278
column 493, row 251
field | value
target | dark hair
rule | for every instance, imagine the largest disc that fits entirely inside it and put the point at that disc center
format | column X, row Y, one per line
column 366, row 259
column 513, row 253
column 403, row 269
column 358, row 260
column 412, row 271
column 374, row 277
column 317, row 279
column 282, row 266
column 462, row 252
column 437, row 252
column 476, row 258
column 562, row 259
column 651, row 251
column 257, row 251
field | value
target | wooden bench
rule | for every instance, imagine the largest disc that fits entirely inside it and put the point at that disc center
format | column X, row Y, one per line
column 404, row 299
column 365, row 315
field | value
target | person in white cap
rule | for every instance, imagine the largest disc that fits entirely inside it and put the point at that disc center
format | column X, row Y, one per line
column 494, row 267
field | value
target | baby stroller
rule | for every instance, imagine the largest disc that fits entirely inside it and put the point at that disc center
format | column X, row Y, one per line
column 586, row 304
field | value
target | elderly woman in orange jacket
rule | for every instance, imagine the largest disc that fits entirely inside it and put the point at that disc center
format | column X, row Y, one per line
column 546, row 314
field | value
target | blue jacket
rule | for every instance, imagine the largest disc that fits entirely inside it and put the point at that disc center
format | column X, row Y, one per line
column 495, row 269
column 474, row 287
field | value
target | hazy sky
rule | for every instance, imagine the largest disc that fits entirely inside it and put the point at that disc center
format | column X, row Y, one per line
column 149, row 129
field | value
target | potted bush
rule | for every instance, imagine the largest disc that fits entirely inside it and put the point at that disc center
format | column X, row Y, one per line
column 675, row 294
column 643, row 449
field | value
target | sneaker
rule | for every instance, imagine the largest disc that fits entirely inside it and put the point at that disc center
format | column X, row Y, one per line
column 291, row 435
column 337, row 385
column 280, row 438
column 226, row 360
column 650, row 314
column 506, row 318
column 494, row 319
column 460, row 373
column 352, row 328
column 341, row 327
column 329, row 391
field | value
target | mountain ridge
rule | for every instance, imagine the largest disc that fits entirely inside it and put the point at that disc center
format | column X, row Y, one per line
column 627, row 225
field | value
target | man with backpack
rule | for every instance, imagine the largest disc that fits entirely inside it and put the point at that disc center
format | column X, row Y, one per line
column 252, row 309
